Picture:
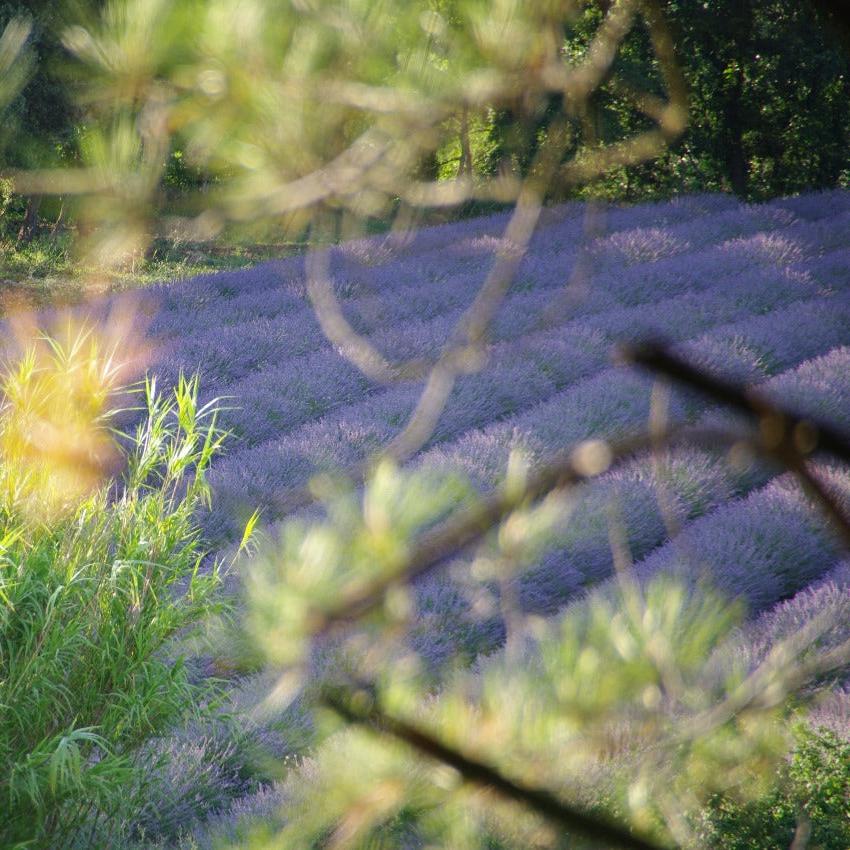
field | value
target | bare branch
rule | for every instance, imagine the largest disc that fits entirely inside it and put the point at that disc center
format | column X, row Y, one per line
column 470, row 332
column 468, row 335
column 671, row 119
column 429, row 407
column 449, row 193
column 580, row 81
column 831, row 507
column 338, row 330
column 673, row 123
column 786, row 437
column 778, row 426
column 571, row 468
column 343, row 175
column 62, row 181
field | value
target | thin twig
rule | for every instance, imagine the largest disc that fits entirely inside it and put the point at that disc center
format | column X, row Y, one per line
column 576, row 83
column 816, row 490
column 775, row 677
column 796, row 437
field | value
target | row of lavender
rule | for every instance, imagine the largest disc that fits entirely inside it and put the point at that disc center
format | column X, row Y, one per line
column 555, row 376
column 750, row 535
column 244, row 322
column 557, row 379
column 282, row 407
column 762, row 293
column 766, row 546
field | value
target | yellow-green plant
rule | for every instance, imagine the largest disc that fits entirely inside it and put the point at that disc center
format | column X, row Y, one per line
column 97, row 578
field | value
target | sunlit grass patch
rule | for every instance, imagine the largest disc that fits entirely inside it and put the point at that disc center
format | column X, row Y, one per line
column 47, row 269
column 97, row 579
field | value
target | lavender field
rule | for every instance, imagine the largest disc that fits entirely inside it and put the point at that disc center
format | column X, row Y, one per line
column 757, row 293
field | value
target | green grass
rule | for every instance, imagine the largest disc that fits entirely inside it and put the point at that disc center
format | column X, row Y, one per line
column 99, row 593
column 47, row 271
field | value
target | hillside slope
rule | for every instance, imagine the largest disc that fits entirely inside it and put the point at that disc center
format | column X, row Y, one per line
column 760, row 293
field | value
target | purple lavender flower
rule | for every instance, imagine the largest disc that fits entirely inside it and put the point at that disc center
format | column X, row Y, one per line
column 758, row 293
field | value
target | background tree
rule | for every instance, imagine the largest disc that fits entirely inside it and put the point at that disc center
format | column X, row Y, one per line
column 43, row 122
column 769, row 98
column 768, row 94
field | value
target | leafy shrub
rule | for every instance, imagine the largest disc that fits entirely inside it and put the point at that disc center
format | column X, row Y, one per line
column 95, row 585
column 812, row 795
column 6, row 194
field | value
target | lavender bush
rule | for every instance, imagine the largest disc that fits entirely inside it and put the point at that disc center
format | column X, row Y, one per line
column 758, row 293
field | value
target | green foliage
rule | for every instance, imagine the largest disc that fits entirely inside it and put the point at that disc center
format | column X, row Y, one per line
column 769, row 89
column 6, row 194
column 769, row 95
column 621, row 704
column 769, row 92
column 310, row 109
column 48, row 269
column 320, row 563
column 184, row 121
column 181, row 177
column 91, row 601
column 43, row 257
column 44, row 114
column 768, row 108
column 812, row 793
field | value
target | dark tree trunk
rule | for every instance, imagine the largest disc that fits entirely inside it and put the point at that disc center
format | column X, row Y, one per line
column 500, row 161
column 465, row 165
column 736, row 160
column 30, row 225
column 429, row 167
